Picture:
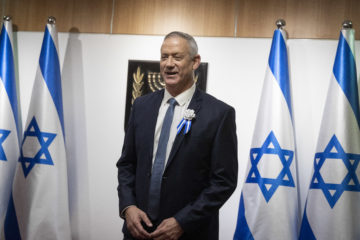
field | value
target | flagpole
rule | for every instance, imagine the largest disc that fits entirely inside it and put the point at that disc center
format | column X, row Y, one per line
column 268, row 207
column 7, row 18
column 40, row 205
column 10, row 126
column 347, row 24
column 51, row 20
column 280, row 23
column 332, row 200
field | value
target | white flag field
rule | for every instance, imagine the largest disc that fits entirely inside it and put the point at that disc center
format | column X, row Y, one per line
column 39, row 208
column 332, row 207
column 9, row 119
column 268, row 206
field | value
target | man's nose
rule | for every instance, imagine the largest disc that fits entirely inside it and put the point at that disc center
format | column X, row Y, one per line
column 170, row 62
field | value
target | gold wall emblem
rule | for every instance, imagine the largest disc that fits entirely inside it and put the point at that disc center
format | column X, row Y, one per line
column 155, row 81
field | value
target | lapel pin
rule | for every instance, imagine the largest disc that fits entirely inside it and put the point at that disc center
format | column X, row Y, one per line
column 185, row 123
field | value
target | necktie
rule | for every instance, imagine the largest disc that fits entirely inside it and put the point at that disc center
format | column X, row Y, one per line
column 159, row 163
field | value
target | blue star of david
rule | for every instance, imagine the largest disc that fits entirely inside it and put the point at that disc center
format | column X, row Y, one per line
column 43, row 155
column 3, row 135
column 334, row 151
column 271, row 146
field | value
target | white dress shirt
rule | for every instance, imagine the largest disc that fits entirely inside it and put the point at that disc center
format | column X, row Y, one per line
column 183, row 101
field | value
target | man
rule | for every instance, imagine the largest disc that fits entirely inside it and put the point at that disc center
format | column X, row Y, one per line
column 173, row 182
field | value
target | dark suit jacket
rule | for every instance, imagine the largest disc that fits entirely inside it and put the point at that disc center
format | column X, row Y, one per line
column 201, row 172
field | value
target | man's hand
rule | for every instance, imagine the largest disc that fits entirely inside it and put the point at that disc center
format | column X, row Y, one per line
column 133, row 217
column 169, row 229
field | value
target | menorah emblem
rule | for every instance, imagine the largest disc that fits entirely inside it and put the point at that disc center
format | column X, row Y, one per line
column 155, row 81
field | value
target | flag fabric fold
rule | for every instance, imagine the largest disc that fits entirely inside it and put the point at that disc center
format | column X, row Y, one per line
column 268, row 206
column 332, row 203
column 39, row 207
column 9, row 119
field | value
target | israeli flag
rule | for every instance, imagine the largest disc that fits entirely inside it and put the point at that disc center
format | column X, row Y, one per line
column 39, row 208
column 9, row 120
column 332, row 207
column 269, row 199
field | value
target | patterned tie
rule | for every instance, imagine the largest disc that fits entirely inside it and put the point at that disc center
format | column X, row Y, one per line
column 159, row 163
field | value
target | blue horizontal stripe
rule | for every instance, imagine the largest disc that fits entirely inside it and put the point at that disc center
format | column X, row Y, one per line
column 242, row 231
column 278, row 63
column 11, row 226
column 345, row 74
column 50, row 69
column 306, row 232
column 7, row 72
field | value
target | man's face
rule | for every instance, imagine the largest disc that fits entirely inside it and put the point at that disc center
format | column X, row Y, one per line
column 176, row 63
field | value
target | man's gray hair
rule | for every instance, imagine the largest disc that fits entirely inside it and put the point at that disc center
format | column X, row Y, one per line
column 191, row 41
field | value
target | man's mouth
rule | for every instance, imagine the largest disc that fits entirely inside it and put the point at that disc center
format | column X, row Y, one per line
column 171, row 73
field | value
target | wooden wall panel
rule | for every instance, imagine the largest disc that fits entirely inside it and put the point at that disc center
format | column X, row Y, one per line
column 323, row 18
column 257, row 18
column 226, row 18
column 305, row 18
column 90, row 16
column 200, row 17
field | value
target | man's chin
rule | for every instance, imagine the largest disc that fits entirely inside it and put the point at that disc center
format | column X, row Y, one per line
column 171, row 81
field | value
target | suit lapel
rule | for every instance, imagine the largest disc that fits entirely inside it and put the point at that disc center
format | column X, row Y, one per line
column 195, row 104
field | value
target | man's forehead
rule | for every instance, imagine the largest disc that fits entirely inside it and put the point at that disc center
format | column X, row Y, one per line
column 175, row 43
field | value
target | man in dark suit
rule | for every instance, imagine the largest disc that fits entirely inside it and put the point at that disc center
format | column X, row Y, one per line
column 172, row 181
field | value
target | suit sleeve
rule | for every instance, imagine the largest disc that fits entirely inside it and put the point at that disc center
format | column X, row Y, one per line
column 223, row 179
column 127, row 166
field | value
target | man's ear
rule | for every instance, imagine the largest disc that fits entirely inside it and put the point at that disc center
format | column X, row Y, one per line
column 197, row 60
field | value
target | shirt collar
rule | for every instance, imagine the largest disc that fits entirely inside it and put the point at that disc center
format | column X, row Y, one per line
column 182, row 98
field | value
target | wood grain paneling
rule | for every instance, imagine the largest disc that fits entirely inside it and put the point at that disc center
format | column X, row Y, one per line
column 72, row 15
column 226, row 18
column 324, row 18
column 305, row 18
column 200, row 17
column 257, row 18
